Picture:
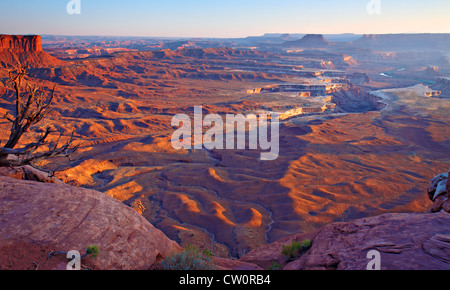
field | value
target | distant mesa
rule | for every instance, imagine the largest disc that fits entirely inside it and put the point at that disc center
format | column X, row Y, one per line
column 404, row 41
column 432, row 71
column 18, row 50
column 382, row 42
column 443, row 85
column 310, row 40
column 21, row 43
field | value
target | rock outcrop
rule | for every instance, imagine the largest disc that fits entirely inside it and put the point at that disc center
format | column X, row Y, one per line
column 439, row 192
column 18, row 50
column 63, row 218
column 405, row 241
column 21, row 43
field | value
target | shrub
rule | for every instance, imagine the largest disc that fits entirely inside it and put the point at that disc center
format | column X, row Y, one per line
column 306, row 244
column 189, row 259
column 92, row 250
column 275, row 266
column 296, row 249
column 207, row 253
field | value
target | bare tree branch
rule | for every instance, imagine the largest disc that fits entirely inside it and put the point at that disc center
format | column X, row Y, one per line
column 7, row 117
column 31, row 107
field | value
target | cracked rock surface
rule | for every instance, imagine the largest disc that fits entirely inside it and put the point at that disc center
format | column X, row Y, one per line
column 67, row 218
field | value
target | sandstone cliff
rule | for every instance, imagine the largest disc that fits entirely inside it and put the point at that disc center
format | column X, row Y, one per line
column 18, row 50
column 21, row 43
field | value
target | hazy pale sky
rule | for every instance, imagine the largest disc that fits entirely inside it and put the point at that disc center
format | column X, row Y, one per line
column 222, row 18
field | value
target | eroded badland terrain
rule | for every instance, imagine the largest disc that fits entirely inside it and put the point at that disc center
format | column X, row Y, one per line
column 365, row 127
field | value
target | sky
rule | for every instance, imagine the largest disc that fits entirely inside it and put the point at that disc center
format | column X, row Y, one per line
column 223, row 18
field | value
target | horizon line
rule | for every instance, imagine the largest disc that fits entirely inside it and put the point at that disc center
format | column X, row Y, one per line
column 211, row 37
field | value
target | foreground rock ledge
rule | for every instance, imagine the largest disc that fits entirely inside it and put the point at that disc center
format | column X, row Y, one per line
column 406, row 241
column 67, row 218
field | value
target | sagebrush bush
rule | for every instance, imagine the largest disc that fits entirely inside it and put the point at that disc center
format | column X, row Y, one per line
column 296, row 248
column 189, row 259
column 93, row 251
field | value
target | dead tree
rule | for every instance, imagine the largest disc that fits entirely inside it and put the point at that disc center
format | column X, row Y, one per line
column 31, row 106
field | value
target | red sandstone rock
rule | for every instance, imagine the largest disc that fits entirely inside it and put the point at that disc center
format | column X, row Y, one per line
column 18, row 50
column 21, row 43
column 439, row 193
column 405, row 242
column 67, row 218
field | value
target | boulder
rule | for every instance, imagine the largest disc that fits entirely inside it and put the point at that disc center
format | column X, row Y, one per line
column 439, row 192
column 65, row 218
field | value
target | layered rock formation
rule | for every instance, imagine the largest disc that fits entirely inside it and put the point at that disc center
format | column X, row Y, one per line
column 21, row 43
column 60, row 218
column 309, row 40
column 18, row 50
column 405, row 241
